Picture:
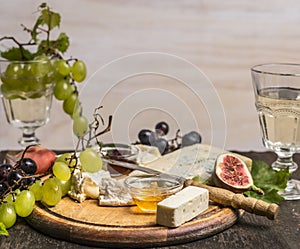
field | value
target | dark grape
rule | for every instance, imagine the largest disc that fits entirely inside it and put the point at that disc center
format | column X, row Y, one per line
column 28, row 181
column 162, row 128
column 144, row 136
column 191, row 138
column 28, row 166
column 3, row 187
column 13, row 177
column 161, row 144
column 4, row 170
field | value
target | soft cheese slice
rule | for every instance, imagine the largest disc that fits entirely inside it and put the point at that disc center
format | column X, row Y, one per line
column 182, row 206
column 114, row 193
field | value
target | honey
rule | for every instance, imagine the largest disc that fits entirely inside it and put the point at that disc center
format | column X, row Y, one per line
column 148, row 203
column 148, row 191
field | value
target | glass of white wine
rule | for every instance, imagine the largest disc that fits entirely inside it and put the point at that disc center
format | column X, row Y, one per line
column 26, row 93
column 277, row 100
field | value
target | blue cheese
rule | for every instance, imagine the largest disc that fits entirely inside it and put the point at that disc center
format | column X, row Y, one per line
column 195, row 161
column 182, row 206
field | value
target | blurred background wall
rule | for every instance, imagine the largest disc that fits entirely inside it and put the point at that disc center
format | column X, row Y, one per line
column 222, row 38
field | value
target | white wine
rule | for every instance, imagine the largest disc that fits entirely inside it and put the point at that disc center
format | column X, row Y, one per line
column 279, row 116
column 28, row 112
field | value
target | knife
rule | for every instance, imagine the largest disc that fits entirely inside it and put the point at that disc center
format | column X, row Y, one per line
column 218, row 195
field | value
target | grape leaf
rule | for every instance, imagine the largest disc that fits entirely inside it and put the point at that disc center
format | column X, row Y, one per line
column 3, row 230
column 50, row 18
column 62, row 42
column 15, row 54
column 269, row 180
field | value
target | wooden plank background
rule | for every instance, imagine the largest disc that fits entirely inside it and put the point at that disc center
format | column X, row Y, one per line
column 223, row 38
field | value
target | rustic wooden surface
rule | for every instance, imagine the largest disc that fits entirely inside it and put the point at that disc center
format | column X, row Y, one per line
column 249, row 232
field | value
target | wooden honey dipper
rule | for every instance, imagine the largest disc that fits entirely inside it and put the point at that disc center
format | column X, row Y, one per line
column 239, row 201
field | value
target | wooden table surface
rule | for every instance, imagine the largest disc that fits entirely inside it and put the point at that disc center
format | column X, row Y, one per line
column 249, row 232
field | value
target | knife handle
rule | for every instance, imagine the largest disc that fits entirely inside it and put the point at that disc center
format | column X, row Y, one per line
column 239, row 201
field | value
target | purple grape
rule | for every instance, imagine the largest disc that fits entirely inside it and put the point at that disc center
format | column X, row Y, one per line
column 14, row 177
column 161, row 144
column 144, row 136
column 28, row 166
column 4, row 171
column 191, row 138
column 3, row 187
column 162, row 128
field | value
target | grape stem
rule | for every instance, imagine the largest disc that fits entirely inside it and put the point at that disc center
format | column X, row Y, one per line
column 107, row 129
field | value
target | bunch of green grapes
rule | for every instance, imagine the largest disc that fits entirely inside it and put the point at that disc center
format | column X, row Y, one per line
column 66, row 74
column 29, row 79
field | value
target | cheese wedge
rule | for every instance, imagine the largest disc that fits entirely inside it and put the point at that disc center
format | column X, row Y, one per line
column 195, row 161
column 182, row 206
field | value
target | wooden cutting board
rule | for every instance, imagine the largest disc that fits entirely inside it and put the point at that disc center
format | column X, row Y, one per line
column 124, row 227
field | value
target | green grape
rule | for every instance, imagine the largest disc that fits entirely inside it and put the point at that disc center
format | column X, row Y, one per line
column 77, row 110
column 13, row 75
column 36, row 189
column 41, row 66
column 9, row 198
column 51, row 192
column 24, row 203
column 90, row 160
column 61, row 171
column 70, row 103
column 17, row 192
column 13, row 70
column 63, row 67
column 68, row 159
column 80, row 125
column 8, row 214
column 63, row 89
column 27, row 73
column 78, row 71
column 9, row 92
column 65, row 186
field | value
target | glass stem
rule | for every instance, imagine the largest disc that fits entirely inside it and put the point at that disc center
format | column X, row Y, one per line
column 285, row 162
column 28, row 137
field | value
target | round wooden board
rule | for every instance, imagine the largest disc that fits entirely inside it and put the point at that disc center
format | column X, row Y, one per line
column 89, row 224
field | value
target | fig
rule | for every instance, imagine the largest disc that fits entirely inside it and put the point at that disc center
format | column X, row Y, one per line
column 232, row 173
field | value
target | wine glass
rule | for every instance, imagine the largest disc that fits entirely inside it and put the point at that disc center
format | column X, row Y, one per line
column 277, row 100
column 26, row 93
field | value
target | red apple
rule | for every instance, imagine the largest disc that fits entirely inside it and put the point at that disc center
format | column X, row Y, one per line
column 43, row 157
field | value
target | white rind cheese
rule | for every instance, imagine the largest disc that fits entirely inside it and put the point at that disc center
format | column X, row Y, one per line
column 182, row 206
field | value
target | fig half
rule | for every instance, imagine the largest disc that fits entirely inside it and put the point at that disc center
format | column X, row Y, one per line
column 232, row 173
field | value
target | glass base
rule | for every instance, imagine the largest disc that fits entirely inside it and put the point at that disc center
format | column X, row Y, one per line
column 285, row 163
column 28, row 138
column 292, row 191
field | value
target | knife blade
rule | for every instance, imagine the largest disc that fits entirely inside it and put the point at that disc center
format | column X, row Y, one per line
column 218, row 195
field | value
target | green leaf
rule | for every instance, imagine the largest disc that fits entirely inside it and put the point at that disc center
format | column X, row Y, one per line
column 269, row 180
column 270, row 196
column 15, row 54
column 62, row 42
column 3, row 230
column 43, row 5
column 50, row 18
